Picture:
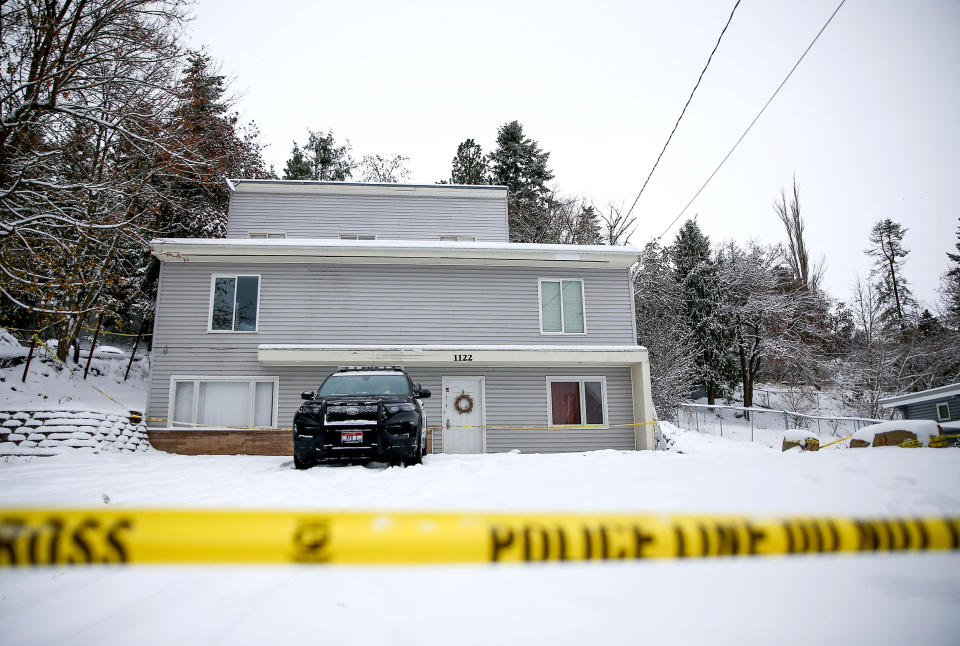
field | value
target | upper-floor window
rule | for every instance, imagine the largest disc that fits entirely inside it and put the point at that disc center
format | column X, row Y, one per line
column 457, row 238
column 265, row 235
column 234, row 303
column 358, row 236
column 561, row 306
column 943, row 412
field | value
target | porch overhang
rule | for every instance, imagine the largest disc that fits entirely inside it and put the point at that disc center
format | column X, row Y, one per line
column 462, row 355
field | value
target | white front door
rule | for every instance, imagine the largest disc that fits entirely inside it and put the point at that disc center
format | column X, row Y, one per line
column 463, row 416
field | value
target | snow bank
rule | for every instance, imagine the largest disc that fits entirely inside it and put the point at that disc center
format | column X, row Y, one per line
column 923, row 429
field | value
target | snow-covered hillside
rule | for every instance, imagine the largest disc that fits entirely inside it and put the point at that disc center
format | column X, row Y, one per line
column 50, row 385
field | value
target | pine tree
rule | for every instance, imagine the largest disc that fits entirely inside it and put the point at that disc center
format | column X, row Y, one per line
column 698, row 275
column 297, row 166
column 951, row 286
column 662, row 330
column 209, row 134
column 519, row 164
column 586, row 226
column 886, row 245
column 320, row 159
column 469, row 164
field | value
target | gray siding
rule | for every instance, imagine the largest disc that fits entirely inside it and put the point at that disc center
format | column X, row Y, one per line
column 375, row 304
column 515, row 396
column 398, row 217
column 928, row 410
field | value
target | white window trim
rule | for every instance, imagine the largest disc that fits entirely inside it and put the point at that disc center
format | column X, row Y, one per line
column 941, row 418
column 583, row 299
column 583, row 411
column 213, row 283
column 196, row 379
column 357, row 236
column 283, row 234
column 459, row 237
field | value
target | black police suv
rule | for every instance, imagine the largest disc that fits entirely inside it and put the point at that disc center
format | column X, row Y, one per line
column 361, row 413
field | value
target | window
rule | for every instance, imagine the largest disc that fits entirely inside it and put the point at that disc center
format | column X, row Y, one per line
column 457, row 238
column 245, row 402
column 561, row 307
column 943, row 412
column 234, row 303
column 358, row 236
column 576, row 401
column 266, row 236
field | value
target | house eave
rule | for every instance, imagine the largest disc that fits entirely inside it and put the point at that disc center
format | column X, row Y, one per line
column 390, row 252
column 464, row 355
column 941, row 393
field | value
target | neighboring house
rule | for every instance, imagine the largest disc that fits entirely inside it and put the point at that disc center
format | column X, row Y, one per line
column 939, row 404
column 313, row 275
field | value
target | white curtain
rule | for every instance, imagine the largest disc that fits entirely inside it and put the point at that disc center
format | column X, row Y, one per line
column 550, row 306
column 183, row 402
column 263, row 404
column 573, row 306
column 223, row 403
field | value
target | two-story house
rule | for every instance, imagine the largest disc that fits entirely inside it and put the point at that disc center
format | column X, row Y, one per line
column 524, row 346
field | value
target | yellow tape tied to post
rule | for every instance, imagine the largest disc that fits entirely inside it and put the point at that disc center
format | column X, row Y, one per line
column 45, row 537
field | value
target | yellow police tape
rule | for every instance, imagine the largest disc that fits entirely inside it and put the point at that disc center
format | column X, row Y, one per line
column 31, row 537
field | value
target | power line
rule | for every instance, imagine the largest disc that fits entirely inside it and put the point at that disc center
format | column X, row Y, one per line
column 769, row 101
column 685, row 106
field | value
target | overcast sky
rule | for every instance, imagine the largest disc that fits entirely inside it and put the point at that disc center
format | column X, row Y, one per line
column 869, row 123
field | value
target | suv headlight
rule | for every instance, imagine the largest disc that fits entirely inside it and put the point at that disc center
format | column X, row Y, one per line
column 311, row 409
column 396, row 408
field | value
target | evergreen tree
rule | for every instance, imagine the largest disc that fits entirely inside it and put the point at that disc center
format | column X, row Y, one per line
column 469, row 164
column 698, row 276
column 951, row 286
column 886, row 245
column 519, row 164
column 210, row 137
column 662, row 330
column 297, row 166
column 320, row 159
column 586, row 226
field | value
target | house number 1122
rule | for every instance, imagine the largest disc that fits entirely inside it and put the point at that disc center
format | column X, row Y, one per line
column 463, row 357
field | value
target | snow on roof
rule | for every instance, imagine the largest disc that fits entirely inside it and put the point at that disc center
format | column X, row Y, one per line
column 337, row 243
column 365, row 373
column 308, row 182
column 943, row 392
column 392, row 251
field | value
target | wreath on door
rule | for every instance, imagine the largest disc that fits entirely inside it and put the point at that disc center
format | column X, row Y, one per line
column 463, row 403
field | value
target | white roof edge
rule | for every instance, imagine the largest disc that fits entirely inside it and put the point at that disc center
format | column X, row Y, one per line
column 950, row 390
column 335, row 243
column 310, row 186
column 288, row 250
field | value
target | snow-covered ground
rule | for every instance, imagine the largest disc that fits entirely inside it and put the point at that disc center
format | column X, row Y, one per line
column 50, row 385
column 882, row 599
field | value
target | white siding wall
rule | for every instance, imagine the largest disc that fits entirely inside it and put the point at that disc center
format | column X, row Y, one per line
column 397, row 217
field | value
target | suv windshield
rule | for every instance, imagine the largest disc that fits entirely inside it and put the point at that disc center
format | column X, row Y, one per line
column 347, row 384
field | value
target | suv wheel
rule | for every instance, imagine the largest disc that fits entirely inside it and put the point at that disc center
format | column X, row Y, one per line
column 301, row 463
column 417, row 455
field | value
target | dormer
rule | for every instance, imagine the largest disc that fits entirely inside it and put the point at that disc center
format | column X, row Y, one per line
column 354, row 211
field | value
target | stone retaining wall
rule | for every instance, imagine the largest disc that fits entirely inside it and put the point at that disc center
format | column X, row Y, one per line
column 51, row 431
